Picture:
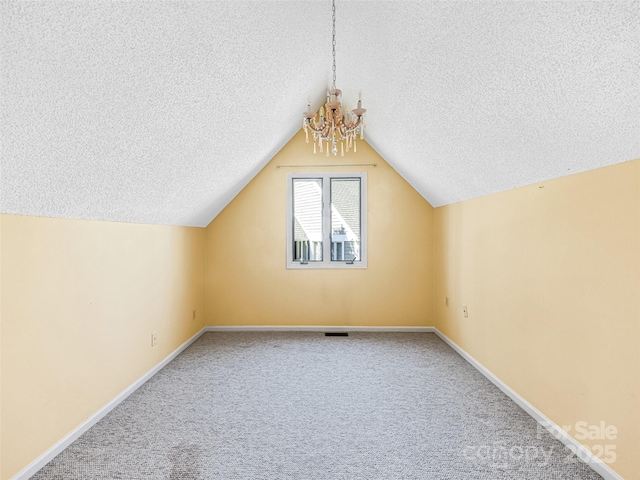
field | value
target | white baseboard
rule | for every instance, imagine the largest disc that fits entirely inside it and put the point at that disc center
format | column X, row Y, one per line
column 50, row 454
column 314, row 328
column 582, row 453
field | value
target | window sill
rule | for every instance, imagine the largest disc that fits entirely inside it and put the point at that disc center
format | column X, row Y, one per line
column 326, row 266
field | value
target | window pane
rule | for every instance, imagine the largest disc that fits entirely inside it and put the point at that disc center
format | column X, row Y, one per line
column 307, row 220
column 345, row 219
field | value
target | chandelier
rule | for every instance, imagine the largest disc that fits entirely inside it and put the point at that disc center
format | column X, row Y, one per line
column 332, row 124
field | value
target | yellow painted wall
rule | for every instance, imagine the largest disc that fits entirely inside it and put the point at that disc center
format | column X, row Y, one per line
column 247, row 282
column 80, row 300
column 551, row 277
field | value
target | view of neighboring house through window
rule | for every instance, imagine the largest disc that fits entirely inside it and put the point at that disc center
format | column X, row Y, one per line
column 325, row 225
column 307, row 219
column 345, row 219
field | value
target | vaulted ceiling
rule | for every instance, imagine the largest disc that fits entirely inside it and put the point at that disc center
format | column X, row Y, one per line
column 161, row 112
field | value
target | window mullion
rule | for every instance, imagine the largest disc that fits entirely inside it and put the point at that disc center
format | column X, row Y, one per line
column 326, row 219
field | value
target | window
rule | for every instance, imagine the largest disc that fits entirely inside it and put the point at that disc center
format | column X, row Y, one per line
column 326, row 220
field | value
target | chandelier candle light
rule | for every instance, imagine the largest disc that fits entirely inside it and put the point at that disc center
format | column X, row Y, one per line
column 330, row 125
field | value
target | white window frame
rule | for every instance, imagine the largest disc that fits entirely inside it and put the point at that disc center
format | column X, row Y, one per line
column 326, row 222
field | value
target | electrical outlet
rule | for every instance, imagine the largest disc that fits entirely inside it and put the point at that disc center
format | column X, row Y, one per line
column 193, row 317
column 465, row 312
column 446, row 301
column 154, row 339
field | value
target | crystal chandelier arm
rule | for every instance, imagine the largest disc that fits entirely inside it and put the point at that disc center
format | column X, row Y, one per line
column 352, row 127
column 316, row 127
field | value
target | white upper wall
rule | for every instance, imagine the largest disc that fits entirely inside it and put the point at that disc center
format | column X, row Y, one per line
column 160, row 112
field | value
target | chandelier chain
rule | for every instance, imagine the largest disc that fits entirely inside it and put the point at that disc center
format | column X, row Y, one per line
column 334, row 43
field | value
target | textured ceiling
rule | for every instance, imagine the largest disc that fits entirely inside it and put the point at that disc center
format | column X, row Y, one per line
column 160, row 112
